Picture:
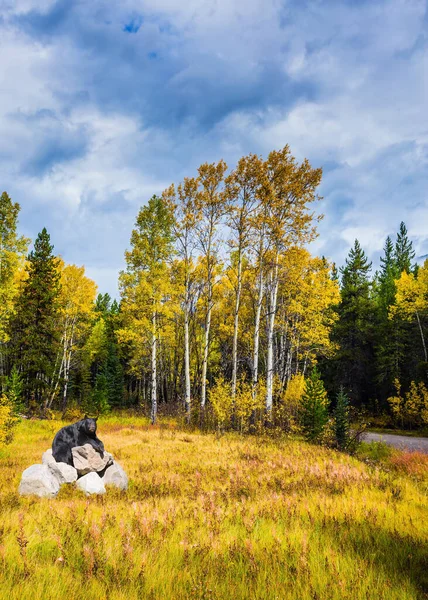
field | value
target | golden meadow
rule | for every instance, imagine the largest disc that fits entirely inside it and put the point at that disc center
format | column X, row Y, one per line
column 217, row 517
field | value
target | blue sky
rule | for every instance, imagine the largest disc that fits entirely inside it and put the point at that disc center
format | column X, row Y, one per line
column 103, row 104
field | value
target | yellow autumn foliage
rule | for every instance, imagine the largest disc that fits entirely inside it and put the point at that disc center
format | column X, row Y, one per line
column 410, row 410
column 288, row 406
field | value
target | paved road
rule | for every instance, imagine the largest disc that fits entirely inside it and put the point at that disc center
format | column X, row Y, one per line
column 403, row 442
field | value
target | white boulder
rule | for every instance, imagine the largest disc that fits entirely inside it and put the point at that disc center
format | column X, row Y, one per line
column 115, row 475
column 63, row 472
column 87, row 459
column 91, row 483
column 38, row 480
column 47, row 457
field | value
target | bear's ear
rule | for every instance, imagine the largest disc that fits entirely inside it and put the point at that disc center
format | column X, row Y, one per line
column 85, row 417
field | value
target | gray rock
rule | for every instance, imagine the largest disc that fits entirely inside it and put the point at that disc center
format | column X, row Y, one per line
column 63, row 472
column 47, row 457
column 86, row 459
column 91, row 483
column 38, row 480
column 116, row 476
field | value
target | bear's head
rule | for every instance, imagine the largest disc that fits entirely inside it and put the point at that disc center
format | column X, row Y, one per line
column 89, row 425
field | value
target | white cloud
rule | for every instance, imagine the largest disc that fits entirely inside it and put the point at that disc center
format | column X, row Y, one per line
column 345, row 84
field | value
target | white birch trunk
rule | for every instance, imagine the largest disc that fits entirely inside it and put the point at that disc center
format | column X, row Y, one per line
column 271, row 325
column 422, row 337
column 187, row 400
column 154, row 374
column 206, row 348
column 49, row 400
column 257, row 330
column 67, row 373
column 235, row 326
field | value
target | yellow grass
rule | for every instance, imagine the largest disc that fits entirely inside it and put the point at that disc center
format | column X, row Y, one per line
column 211, row 518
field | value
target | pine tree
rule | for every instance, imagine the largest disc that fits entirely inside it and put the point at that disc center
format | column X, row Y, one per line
column 388, row 332
column 111, row 364
column 341, row 420
column 313, row 410
column 97, row 402
column 404, row 253
column 35, row 336
column 14, row 385
column 353, row 331
column 389, row 272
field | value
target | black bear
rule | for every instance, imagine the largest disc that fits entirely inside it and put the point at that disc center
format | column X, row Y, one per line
column 80, row 433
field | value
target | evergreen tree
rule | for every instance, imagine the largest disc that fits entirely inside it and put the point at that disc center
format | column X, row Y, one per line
column 341, row 420
column 353, row 331
column 404, row 253
column 14, row 385
column 103, row 304
column 389, row 272
column 334, row 273
column 35, row 336
column 313, row 409
column 389, row 332
column 97, row 401
column 111, row 365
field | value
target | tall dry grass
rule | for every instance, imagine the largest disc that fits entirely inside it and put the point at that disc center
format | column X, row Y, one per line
column 215, row 518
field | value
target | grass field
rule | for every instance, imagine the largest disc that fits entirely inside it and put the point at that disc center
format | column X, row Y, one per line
column 210, row 518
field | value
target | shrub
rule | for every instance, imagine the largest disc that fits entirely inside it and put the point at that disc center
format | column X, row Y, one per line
column 8, row 420
column 410, row 410
column 220, row 396
column 376, row 451
column 248, row 402
column 287, row 410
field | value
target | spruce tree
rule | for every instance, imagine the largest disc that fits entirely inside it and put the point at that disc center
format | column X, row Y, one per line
column 111, row 365
column 334, row 273
column 14, row 385
column 35, row 337
column 404, row 253
column 341, row 420
column 97, row 403
column 313, row 409
column 388, row 331
column 353, row 331
column 389, row 272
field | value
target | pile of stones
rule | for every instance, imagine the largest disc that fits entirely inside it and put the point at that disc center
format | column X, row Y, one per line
column 90, row 473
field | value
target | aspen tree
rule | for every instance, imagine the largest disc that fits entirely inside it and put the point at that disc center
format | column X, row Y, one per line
column 412, row 300
column 210, row 201
column 76, row 304
column 241, row 189
column 290, row 188
column 184, row 204
column 145, row 284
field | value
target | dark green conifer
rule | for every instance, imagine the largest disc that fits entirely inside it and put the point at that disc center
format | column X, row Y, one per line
column 353, row 332
column 34, row 332
column 341, row 420
column 313, row 410
column 404, row 253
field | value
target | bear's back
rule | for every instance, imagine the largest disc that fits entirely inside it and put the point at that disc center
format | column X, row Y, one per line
column 67, row 434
